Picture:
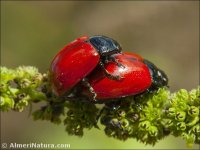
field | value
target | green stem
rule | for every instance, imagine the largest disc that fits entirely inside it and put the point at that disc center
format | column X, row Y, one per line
column 147, row 117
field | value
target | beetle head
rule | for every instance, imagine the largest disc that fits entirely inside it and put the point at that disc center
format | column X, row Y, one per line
column 159, row 78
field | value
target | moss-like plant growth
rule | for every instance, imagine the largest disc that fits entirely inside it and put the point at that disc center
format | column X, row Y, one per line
column 147, row 117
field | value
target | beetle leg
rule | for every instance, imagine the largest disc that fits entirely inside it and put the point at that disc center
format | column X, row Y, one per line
column 87, row 84
column 110, row 76
column 113, row 59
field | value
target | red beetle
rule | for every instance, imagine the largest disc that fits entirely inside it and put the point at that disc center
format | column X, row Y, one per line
column 79, row 58
column 135, row 79
column 138, row 75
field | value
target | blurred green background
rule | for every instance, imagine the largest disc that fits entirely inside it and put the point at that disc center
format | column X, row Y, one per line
column 165, row 32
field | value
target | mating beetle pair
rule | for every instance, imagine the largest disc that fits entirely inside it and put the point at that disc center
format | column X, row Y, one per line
column 98, row 67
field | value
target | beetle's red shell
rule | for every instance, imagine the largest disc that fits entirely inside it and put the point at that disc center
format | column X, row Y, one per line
column 133, row 56
column 75, row 61
column 135, row 79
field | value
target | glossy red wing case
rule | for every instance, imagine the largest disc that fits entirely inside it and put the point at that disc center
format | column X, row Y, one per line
column 135, row 78
column 75, row 61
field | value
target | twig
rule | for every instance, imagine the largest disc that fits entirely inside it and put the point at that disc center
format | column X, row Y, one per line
column 147, row 117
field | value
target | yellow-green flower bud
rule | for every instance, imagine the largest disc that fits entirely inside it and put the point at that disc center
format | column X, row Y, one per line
column 180, row 116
